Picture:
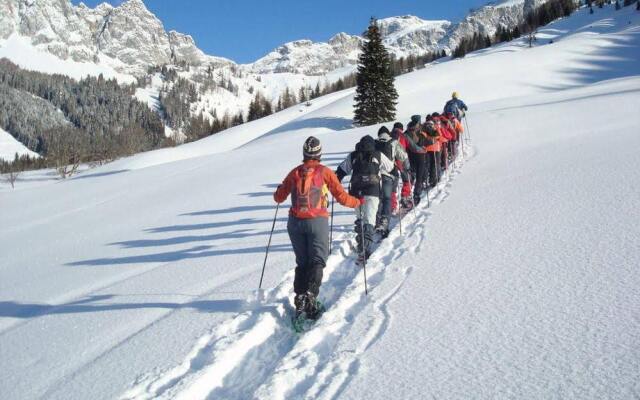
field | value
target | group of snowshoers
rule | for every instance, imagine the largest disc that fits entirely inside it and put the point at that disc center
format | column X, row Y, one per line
column 410, row 161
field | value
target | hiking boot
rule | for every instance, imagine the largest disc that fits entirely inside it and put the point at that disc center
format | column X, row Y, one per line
column 383, row 227
column 300, row 302
column 312, row 307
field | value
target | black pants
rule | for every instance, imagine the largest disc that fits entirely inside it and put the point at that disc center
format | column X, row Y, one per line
column 418, row 167
column 433, row 165
column 310, row 241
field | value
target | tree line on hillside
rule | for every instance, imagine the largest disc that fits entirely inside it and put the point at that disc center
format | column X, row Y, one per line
column 540, row 16
column 97, row 118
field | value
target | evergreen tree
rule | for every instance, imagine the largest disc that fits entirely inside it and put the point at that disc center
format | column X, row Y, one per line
column 316, row 93
column 376, row 94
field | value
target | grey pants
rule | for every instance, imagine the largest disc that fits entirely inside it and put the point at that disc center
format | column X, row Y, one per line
column 367, row 213
column 389, row 183
column 310, row 241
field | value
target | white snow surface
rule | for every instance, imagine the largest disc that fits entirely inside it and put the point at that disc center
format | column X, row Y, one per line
column 137, row 280
column 9, row 146
column 20, row 51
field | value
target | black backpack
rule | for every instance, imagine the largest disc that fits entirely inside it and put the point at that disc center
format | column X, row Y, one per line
column 365, row 175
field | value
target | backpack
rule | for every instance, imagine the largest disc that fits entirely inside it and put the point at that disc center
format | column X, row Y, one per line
column 452, row 107
column 365, row 171
column 310, row 195
column 385, row 148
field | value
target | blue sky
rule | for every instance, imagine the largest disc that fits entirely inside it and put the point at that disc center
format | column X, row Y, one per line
column 245, row 30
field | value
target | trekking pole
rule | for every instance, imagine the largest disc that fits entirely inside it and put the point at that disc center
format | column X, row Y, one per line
column 466, row 124
column 268, row 245
column 364, row 252
column 427, row 172
column 331, row 231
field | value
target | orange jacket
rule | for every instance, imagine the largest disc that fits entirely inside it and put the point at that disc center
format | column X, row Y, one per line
column 458, row 127
column 330, row 179
column 435, row 146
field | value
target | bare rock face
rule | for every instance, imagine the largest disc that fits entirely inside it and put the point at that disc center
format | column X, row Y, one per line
column 130, row 38
column 409, row 35
column 487, row 19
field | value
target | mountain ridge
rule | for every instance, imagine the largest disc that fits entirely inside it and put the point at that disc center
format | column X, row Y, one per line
column 130, row 38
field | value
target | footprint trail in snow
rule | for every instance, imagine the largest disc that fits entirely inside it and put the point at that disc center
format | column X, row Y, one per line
column 318, row 364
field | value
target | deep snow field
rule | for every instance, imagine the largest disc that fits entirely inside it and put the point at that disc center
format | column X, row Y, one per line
column 138, row 279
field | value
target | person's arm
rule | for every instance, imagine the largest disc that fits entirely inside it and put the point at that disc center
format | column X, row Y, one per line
column 464, row 106
column 284, row 189
column 413, row 146
column 336, row 189
column 344, row 168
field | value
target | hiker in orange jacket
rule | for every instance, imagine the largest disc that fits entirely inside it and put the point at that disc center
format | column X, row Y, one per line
column 459, row 130
column 434, row 133
column 309, row 185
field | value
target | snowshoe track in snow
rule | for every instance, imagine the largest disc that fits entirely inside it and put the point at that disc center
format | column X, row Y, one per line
column 318, row 364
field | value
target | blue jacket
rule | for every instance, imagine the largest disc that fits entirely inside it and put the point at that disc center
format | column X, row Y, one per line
column 456, row 106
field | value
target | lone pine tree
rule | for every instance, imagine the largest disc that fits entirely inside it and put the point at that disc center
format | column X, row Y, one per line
column 376, row 94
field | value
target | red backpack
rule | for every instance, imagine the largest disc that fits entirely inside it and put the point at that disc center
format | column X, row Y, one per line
column 310, row 195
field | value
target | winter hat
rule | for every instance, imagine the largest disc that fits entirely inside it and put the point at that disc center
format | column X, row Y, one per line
column 454, row 95
column 411, row 125
column 416, row 118
column 367, row 144
column 398, row 125
column 429, row 118
column 312, row 149
column 383, row 134
column 430, row 128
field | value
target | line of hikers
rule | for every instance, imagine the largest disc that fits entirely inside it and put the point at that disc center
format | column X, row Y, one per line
column 416, row 157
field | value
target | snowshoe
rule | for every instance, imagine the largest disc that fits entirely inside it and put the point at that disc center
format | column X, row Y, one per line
column 406, row 203
column 308, row 310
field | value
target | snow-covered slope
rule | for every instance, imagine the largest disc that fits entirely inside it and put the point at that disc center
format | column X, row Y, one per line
column 9, row 146
column 123, row 42
column 519, row 282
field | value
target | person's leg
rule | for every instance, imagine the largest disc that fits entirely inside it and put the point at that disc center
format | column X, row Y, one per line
column 385, row 198
column 413, row 165
column 419, row 184
column 394, row 195
column 318, row 250
column 438, row 170
column 369, row 220
column 298, row 239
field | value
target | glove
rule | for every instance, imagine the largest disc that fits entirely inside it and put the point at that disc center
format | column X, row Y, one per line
column 362, row 200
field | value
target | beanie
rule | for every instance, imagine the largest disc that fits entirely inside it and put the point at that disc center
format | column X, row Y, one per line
column 312, row 149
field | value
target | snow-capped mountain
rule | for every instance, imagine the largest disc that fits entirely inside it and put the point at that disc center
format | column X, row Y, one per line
column 486, row 19
column 54, row 36
column 130, row 38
